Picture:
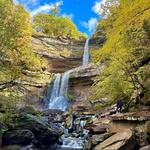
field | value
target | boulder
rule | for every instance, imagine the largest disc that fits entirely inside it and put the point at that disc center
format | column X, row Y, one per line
column 98, row 129
column 145, row 148
column 119, row 141
column 18, row 136
column 98, row 138
column 45, row 134
column 87, row 71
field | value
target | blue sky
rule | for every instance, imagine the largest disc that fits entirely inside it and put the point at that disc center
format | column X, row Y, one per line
column 84, row 13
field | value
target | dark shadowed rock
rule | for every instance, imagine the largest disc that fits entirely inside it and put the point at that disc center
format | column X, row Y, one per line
column 27, row 110
column 45, row 134
column 18, row 136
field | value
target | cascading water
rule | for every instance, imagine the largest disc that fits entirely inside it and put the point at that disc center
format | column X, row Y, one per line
column 86, row 55
column 64, row 84
column 56, row 85
column 59, row 99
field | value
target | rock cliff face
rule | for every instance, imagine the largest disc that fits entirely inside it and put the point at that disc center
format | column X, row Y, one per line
column 81, row 79
column 62, row 54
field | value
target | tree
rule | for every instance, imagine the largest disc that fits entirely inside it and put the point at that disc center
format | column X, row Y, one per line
column 125, row 51
column 57, row 26
column 55, row 10
column 15, row 48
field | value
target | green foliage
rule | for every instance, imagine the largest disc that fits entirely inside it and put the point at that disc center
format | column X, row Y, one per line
column 70, row 95
column 128, row 44
column 57, row 26
column 15, row 47
column 8, row 105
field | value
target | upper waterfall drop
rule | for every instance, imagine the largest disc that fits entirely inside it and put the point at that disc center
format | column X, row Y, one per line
column 86, row 54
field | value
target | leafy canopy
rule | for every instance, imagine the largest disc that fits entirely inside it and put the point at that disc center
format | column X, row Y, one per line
column 58, row 26
column 15, row 42
column 126, row 29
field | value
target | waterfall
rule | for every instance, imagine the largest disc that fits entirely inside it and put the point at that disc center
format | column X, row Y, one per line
column 55, row 89
column 64, row 84
column 59, row 99
column 86, row 55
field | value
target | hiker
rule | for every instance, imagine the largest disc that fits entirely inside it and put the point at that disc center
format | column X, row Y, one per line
column 119, row 106
column 74, row 117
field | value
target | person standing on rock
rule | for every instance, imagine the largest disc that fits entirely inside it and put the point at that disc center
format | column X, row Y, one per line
column 74, row 117
column 119, row 106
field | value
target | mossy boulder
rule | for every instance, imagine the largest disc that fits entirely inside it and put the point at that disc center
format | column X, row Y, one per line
column 27, row 110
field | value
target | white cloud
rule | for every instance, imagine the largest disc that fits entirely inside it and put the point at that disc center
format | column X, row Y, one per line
column 97, row 6
column 15, row 1
column 71, row 16
column 45, row 8
column 90, row 25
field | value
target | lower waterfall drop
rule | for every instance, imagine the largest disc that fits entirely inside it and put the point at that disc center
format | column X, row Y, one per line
column 59, row 98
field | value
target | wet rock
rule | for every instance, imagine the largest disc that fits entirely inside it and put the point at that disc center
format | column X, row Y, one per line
column 69, row 121
column 18, row 136
column 98, row 138
column 88, row 145
column 145, row 148
column 54, row 115
column 76, row 135
column 119, row 141
column 45, row 134
column 98, row 129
